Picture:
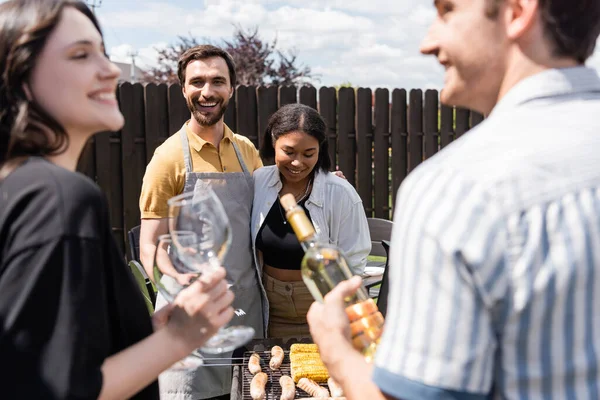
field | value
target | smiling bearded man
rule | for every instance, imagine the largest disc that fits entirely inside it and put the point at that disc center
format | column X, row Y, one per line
column 206, row 153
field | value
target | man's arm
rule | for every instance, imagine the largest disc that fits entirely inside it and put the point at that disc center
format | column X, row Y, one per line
column 150, row 230
column 163, row 179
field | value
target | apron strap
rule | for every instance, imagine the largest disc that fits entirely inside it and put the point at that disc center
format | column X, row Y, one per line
column 187, row 159
column 240, row 159
column 185, row 145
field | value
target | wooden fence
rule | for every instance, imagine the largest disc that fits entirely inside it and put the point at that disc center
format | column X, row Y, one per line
column 375, row 139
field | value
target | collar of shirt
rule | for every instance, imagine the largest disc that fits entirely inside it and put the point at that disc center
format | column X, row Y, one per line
column 548, row 84
column 317, row 192
column 197, row 143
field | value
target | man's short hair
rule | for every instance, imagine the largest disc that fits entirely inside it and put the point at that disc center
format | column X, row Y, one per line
column 572, row 26
column 202, row 52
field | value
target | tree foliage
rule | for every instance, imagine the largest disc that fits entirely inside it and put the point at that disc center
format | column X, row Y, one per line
column 257, row 62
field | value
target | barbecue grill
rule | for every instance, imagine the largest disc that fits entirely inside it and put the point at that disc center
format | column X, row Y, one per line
column 240, row 385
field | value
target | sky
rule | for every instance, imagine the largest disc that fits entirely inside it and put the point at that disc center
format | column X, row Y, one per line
column 371, row 43
column 367, row 43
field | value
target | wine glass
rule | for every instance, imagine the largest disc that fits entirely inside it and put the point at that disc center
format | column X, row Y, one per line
column 202, row 213
column 170, row 278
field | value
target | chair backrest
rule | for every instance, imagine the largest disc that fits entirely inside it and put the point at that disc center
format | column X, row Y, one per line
column 380, row 229
column 134, row 243
column 382, row 297
column 144, row 286
column 136, row 264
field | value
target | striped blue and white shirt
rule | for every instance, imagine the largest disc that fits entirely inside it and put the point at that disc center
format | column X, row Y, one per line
column 495, row 259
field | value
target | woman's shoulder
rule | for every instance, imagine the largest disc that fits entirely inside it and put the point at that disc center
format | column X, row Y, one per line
column 338, row 186
column 265, row 174
column 57, row 199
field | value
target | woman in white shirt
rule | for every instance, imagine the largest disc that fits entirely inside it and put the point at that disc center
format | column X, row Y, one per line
column 295, row 139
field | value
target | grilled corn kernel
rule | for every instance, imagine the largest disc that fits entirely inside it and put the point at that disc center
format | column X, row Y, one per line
column 308, row 365
column 303, row 348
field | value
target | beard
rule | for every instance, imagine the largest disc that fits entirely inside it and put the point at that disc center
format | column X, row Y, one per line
column 201, row 117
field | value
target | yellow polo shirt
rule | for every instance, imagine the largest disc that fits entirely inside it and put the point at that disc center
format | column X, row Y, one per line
column 165, row 174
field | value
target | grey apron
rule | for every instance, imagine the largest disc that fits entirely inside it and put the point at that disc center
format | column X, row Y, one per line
column 236, row 192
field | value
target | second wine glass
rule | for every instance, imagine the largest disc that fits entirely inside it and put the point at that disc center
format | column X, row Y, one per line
column 202, row 213
column 170, row 279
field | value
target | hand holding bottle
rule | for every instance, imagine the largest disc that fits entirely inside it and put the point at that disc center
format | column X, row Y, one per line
column 328, row 321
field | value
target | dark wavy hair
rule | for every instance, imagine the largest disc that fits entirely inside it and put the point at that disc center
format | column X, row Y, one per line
column 299, row 118
column 202, row 52
column 25, row 128
column 572, row 26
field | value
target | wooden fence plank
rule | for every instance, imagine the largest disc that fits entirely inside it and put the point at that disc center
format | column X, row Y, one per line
column 287, row 95
column 308, row 96
column 328, row 110
column 476, row 118
column 399, row 140
column 230, row 116
column 446, row 125
column 462, row 117
column 364, row 140
column 347, row 134
column 108, row 167
column 415, row 129
column 116, row 197
column 430, row 122
column 247, row 112
column 156, row 113
column 267, row 105
column 87, row 160
column 133, row 151
column 178, row 110
column 381, row 153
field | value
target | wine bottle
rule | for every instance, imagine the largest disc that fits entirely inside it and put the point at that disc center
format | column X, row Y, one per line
column 323, row 267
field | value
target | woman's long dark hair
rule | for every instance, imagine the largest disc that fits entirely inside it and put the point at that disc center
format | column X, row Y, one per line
column 25, row 128
column 300, row 118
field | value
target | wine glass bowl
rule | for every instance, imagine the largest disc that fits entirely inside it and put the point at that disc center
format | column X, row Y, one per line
column 202, row 213
column 170, row 277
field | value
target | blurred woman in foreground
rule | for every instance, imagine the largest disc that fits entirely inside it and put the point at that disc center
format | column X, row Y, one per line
column 73, row 323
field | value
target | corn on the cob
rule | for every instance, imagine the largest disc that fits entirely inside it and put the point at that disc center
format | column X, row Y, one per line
column 303, row 348
column 308, row 365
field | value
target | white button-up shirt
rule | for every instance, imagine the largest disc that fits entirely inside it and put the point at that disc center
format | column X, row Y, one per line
column 335, row 208
column 495, row 255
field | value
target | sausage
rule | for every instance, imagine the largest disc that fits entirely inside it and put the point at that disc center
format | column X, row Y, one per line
column 254, row 364
column 335, row 389
column 257, row 386
column 288, row 389
column 276, row 358
column 311, row 387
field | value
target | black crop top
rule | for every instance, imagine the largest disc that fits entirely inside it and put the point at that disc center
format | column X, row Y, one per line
column 277, row 241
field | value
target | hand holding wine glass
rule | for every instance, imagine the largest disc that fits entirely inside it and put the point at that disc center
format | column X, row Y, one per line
column 201, row 309
column 201, row 304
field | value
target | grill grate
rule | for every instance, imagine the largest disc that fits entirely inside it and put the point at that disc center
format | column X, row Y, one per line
column 272, row 388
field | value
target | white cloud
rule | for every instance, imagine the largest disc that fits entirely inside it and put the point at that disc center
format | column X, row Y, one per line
column 144, row 57
column 368, row 43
